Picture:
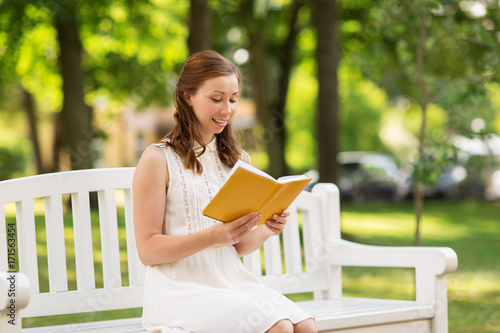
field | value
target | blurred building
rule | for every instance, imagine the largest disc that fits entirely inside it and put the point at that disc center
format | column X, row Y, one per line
column 127, row 134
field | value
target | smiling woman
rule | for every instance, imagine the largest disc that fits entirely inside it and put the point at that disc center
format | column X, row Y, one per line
column 195, row 280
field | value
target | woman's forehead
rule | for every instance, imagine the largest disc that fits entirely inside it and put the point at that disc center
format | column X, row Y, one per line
column 222, row 84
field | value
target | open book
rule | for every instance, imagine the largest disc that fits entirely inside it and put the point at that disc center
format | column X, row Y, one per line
column 249, row 189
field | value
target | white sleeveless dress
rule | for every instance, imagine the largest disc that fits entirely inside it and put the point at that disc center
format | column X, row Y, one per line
column 210, row 291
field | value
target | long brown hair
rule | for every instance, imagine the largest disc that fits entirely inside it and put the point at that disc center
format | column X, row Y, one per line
column 198, row 68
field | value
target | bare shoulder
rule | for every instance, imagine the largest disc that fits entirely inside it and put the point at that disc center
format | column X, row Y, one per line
column 152, row 166
column 245, row 157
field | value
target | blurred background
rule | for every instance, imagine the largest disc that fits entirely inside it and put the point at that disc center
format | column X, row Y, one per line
column 89, row 84
column 397, row 102
column 390, row 100
column 414, row 85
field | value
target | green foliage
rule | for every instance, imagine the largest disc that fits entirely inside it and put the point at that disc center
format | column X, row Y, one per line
column 128, row 49
column 30, row 54
column 429, row 167
column 460, row 51
column 14, row 152
column 301, row 109
column 12, row 162
column 362, row 105
column 132, row 48
column 494, row 95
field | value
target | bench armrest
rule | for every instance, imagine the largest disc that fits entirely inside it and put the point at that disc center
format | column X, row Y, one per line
column 431, row 265
column 14, row 296
column 435, row 260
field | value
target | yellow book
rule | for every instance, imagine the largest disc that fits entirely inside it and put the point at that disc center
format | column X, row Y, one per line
column 249, row 189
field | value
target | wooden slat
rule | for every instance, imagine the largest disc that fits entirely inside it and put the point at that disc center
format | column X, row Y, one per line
column 135, row 267
column 82, row 231
column 306, row 239
column 81, row 301
column 252, row 262
column 295, row 283
column 314, row 248
column 109, row 239
column 128, row 325
column 41, row 186
column 317, row 258
column 272, row 256
column 56, row 249
column 28, row 262
column 3, row 241
column 291, row 243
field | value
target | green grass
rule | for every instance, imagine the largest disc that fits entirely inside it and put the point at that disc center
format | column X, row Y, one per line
column 472, row 229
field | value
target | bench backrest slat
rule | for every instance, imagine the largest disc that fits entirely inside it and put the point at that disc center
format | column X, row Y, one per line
column 28, row 262
column 82, row 231
column 302, row 272
column 253, row 263
column 109, row 239
column 291, row 246
column 313, row 238
column 272, row 255
column 56, row 249
column 135, row 267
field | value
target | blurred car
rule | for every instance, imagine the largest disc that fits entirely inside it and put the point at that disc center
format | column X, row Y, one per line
column 452, row 183
column 368, row 176
column 470, row 177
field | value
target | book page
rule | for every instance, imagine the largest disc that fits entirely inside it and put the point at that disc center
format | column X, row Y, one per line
column 251, row 168
column 282, row 198
column 286, row 179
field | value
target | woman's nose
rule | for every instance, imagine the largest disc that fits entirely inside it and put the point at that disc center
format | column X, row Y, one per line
column 226, row 108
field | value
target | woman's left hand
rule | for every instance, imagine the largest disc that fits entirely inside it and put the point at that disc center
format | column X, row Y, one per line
column 276, row 225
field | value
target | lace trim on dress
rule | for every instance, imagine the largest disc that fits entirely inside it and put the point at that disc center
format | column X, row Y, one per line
column 208, row 188
column 185, row 194
column 217, row 163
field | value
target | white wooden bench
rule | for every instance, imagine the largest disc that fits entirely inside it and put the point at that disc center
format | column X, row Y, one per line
column 316, row 269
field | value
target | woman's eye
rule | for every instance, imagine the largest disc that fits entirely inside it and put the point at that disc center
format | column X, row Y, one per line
column 233, row 100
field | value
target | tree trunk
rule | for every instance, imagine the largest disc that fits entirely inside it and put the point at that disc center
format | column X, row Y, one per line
column 327, row 57
column 29, row 107
column 77, row 116
column 200, row 32
column 418, row 207
column 276, row 147
column 419, row 188
column 260, row 83
column 60, row 141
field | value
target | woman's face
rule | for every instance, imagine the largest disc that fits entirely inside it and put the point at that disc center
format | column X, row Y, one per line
column 214, row 105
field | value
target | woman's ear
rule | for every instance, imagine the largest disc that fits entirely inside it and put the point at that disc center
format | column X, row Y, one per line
column 187, row 97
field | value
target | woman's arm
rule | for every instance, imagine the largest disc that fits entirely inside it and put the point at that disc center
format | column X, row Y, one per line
column 149, row 194
column 259, row 235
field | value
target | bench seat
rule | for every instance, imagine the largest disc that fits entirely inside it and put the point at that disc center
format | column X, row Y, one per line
column 350, row 314
column 332, row 315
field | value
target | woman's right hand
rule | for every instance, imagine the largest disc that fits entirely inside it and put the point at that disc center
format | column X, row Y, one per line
column 232, row 232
